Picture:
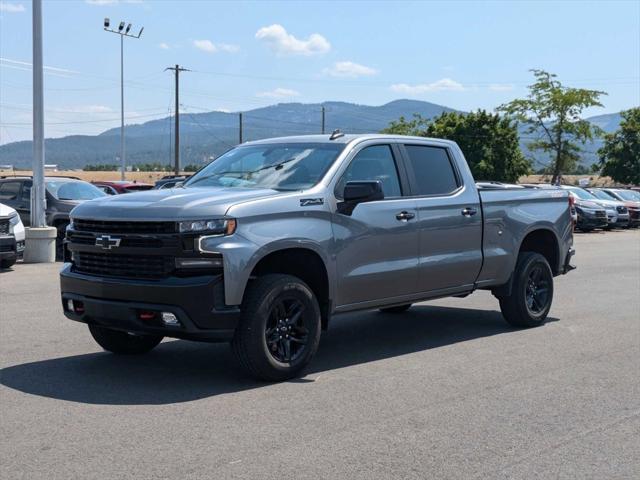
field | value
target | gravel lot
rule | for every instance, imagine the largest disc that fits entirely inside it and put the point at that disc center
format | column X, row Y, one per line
column 447, row 390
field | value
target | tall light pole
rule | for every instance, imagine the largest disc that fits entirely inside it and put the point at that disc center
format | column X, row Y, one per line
column 123, row 32
column 40, row 239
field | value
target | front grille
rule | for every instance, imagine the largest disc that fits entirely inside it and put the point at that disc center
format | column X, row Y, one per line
column 97, row 226
column 79, row 238
column 4, row 226
column 116, row 265
column 621, row 209
column 6, row 248
column 601, row 213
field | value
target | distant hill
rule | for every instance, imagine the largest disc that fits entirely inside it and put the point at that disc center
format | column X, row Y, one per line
column 208, row 134
column 211, row 133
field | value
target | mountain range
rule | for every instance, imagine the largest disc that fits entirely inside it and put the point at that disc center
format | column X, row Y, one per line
column 207, row 134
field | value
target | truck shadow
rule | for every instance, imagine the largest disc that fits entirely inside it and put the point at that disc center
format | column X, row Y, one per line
column 180, row 371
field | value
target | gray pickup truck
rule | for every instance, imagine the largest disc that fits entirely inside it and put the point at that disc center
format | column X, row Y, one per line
column 266, row 244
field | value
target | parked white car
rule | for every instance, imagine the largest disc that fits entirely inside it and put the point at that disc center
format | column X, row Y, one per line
column 11, row 236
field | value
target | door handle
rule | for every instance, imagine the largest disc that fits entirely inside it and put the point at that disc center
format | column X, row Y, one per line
column 469, row 211
column 405, row 216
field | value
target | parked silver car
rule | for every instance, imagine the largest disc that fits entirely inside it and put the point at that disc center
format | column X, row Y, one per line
column 622, row 212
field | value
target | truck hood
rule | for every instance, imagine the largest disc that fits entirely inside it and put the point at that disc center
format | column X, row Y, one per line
column 169, row 204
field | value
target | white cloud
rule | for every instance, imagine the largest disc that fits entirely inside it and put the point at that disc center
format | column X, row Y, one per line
column 279, row 93
column 87, row 109
column 444, row 84
column 210, row 47
column 350, row 69
column 501, row 87
column 283, row 43
column 164, row 46
column 11, row 7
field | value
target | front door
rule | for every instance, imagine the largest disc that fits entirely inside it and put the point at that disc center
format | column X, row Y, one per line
column 449, row 220
column 377, row 245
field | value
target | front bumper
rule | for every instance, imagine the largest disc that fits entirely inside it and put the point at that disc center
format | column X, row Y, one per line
column 8, row 247
column 588, row 220
column 197, row 302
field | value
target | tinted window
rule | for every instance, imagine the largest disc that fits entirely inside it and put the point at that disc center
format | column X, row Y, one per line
column 73, row 190
column 26, row 192
column 373, row 163
column 9, row 190
column 432, row 169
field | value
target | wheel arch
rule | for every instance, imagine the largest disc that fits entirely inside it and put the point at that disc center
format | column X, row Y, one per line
column 303, row 262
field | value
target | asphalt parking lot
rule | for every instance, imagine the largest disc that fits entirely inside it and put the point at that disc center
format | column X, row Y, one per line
column 447, row 390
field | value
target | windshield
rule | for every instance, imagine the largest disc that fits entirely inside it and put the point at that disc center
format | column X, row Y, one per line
column 629, row 195
column 70, row 190
column 602, row 195
column 583, row 194
column 278, row 166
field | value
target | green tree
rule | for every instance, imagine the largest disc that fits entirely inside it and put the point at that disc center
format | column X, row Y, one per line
column 402, row 126
column 620, row 154
column 489, row 142
column 552, row 111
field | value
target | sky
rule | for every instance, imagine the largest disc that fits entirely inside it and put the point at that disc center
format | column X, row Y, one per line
column 243, row 55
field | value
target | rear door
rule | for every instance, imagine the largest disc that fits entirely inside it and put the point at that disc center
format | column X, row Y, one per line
column 376, row 247
column 449, row 219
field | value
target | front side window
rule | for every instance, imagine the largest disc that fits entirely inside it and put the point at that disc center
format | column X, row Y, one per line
column 432, row 170
column 278, row 166
column 9, row 190
column 370, row 164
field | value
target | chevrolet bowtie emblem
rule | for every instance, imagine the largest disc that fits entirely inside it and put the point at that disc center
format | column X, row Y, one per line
column 107, row 242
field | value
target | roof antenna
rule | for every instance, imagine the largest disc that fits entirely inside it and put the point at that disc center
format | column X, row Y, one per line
column 336, row 134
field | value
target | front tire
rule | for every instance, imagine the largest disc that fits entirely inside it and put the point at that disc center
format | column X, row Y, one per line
column 123, row 343
column 279, row 328
column 531, row 293
column 7, row 263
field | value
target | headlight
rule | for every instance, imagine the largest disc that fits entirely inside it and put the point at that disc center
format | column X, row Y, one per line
column 220, row 226
column 14, row 219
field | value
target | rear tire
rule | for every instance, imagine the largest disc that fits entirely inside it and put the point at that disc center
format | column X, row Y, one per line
column 397, row 309
column 279, row 328
column 531, row 293
column 123, row 343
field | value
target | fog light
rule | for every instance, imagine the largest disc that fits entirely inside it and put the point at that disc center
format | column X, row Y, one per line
column 170, row 319
column 199, row 262
column 69, row 305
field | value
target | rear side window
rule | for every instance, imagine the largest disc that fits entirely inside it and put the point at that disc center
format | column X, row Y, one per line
column 432, row 169
column 9, row 190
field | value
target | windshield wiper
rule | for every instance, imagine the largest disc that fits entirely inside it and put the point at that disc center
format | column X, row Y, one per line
column 216, row 174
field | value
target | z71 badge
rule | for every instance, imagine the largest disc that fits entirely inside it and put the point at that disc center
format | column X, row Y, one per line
column 308, row 202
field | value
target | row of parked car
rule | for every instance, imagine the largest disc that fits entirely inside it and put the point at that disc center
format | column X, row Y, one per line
column 603, row 207
column 63, row 194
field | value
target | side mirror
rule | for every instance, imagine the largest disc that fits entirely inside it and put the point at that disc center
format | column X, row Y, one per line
column 360, row 192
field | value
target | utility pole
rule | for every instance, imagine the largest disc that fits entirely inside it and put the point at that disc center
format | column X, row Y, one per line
column 40, row 240
column 38, row 205
column 323, row 119
column 240, row 128
column 123, row 32
column 177, row 69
